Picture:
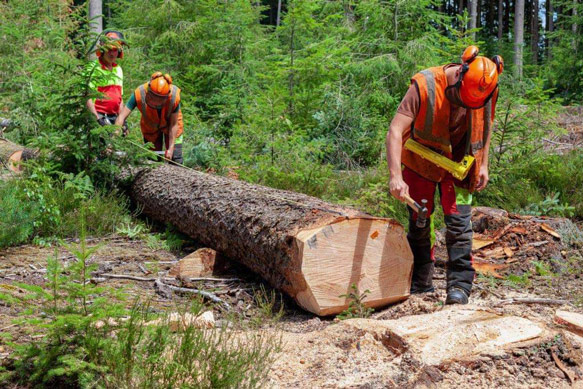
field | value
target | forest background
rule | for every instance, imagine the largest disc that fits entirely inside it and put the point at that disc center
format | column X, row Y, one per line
column 292, row 94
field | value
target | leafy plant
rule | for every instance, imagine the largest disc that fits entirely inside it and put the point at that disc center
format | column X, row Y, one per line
column 550, row 206
column 356, row 306
column 518, row 281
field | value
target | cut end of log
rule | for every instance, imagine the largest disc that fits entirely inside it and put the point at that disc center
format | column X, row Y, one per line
column 13, row 162
column 372, row 254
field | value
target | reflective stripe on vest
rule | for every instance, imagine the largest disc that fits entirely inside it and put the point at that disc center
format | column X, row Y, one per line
column 428, row 130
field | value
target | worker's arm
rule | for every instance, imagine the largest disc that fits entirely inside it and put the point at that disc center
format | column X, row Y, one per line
column 483, row 176
column 172, row 134
column 91, row 107
column 397, row 186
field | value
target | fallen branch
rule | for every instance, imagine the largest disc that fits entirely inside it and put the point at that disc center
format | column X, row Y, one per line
column 127, row 277
column 488, row 290
column 143, row 269
column 557, row 143
column 167, row 289
column 532, row 301
column 205, row 279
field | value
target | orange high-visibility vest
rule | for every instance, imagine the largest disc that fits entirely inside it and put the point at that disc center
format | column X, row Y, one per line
column 152, row 125
column 431, row 128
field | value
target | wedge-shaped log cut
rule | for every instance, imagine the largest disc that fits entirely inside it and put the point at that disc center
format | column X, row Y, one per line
column 312, row 250
column 371, row 254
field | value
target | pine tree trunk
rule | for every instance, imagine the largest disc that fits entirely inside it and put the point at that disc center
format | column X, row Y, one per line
column 278, row 20
column 95, row 18
column 518, row 37
column 473, row 17
column 574, row 25
column 550, row 26
column 534, row 37
column 312, row 250
column 500, row 19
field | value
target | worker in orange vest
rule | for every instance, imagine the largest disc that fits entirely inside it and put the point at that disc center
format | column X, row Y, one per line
column 449, row 109
column 159, row 103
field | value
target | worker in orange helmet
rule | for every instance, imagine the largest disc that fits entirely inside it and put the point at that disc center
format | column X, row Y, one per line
column 106, row 76
column 449, row 109
column 159, row 103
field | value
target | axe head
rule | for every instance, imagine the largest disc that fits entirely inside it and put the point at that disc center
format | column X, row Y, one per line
column 422, row 214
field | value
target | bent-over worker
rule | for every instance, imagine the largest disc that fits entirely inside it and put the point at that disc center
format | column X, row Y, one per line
column 159, row 103
column 449, row 109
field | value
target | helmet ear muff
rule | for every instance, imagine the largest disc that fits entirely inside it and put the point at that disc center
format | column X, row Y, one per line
column 499, row 61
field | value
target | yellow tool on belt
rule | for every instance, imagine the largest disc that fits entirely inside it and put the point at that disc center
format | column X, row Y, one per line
column 457, row 169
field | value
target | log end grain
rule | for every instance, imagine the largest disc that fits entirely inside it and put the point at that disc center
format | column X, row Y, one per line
column 372, row 254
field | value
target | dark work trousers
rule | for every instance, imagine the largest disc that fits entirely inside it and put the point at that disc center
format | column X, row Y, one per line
column 456, row 204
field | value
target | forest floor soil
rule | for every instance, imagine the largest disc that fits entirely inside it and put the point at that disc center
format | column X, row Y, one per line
column 403, row 345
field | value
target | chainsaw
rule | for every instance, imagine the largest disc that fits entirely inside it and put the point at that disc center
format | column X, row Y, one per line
column 457, row 169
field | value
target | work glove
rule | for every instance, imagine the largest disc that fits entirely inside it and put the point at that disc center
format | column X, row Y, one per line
column 103, row 121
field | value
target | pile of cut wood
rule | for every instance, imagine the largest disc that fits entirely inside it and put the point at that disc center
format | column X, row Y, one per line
column 504, row 241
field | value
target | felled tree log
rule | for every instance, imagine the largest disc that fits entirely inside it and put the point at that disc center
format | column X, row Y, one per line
column 11, row 154
column 312, row 250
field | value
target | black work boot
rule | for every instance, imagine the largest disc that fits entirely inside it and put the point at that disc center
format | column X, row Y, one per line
column 456, row 295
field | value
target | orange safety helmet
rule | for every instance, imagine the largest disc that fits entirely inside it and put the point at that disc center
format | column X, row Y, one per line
column 160, row 84
column 111, row 39
column 478, row 77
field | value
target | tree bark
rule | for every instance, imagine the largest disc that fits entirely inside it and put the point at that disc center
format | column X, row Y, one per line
column 95, row 18
column 550, row 26
column 534, row 37
column 574, row 25
column 518, row 37
column 500, row 19
column 312, row 250
column 278, row 20
column 473, row 17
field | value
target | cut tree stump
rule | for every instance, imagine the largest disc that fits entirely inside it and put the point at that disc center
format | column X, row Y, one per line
column 312, row 250
column 571, row 320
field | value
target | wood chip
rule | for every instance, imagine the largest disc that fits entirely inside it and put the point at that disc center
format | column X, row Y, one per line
column 519, row 230
column 562, row 366
column 489, row 269
column 496, row 253
column 508, row 251
column 545, row 227
column 481, row 243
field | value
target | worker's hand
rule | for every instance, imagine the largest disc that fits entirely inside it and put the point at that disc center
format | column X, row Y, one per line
column 169, row 153
column 398, row 188
column 102, row 121
column 124, row 129
column 483, row 178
